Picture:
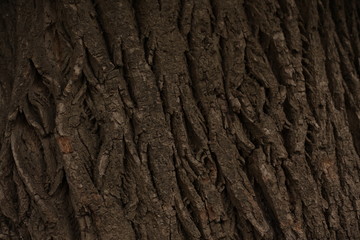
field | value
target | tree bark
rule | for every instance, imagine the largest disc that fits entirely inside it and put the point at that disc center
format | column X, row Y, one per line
column 180, row 119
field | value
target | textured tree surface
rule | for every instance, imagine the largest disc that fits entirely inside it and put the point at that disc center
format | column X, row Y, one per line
column 180, row 119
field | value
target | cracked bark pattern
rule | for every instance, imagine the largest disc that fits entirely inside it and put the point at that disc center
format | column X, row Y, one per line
column 180, row 119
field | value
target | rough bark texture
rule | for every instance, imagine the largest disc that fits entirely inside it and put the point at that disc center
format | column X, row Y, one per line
column 180, row 119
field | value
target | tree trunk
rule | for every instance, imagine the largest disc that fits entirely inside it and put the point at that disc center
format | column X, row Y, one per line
column 180, row 119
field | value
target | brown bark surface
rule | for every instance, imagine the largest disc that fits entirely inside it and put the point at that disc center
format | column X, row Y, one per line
column 180, row 119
